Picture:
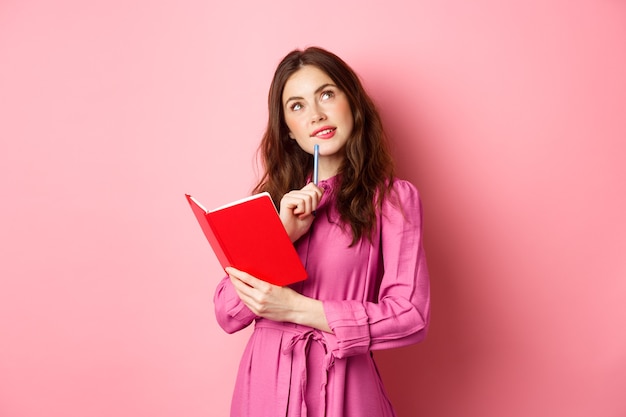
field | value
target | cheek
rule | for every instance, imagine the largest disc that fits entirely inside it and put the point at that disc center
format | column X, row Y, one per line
column 344, row 109
column 287, row 123
column 347, row 115
column 292, row 125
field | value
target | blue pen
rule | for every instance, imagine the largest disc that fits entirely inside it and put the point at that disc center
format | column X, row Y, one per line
column 316, row 157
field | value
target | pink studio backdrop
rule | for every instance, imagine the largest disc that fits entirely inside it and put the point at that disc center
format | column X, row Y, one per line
column 508, row 116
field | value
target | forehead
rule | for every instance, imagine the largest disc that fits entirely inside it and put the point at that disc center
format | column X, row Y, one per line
column 305, row 82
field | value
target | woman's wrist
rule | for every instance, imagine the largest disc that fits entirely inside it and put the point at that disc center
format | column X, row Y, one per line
column 310, row 312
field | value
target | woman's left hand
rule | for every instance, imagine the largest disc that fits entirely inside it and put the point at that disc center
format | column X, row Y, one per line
column 297, row 209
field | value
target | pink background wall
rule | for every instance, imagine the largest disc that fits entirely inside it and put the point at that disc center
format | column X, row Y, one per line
column 509, row 116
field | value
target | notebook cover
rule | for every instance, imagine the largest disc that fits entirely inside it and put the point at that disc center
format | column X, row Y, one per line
column 248, row 235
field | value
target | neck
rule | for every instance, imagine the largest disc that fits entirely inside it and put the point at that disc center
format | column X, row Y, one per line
column 328, row 167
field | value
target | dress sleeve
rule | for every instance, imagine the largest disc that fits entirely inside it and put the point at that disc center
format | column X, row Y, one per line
column 231, row 313
column 401, row 314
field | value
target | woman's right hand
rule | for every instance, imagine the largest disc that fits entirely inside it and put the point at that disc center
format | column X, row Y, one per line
column 297, row 209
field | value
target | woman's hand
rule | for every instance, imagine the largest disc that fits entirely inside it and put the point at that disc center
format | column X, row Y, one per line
column 262, row 298
column 277, row 303
column 297, row 209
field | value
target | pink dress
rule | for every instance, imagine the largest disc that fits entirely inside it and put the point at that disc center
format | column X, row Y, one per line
column 375, row 296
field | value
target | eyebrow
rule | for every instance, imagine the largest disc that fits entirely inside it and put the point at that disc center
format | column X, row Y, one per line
column 320, row 88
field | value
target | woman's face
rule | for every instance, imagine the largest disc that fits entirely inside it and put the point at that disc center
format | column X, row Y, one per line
column 317, row 112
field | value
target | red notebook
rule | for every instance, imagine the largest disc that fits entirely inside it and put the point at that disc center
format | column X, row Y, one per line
column 248, row 235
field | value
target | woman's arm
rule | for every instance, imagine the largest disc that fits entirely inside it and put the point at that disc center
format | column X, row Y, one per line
column 401, row 314
column 242, row 298
column 231, row 313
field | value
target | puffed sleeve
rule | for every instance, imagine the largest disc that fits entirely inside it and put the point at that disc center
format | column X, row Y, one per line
column 401, row 314
column 231, row 313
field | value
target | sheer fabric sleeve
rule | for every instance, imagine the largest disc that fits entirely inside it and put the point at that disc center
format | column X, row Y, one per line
column 401, row 314
column 231, row 313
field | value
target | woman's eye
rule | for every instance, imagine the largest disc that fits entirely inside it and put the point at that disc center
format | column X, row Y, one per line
column 296, row 106
column 327, row 95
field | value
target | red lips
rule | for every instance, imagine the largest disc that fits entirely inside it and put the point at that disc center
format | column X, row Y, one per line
column 325, row 132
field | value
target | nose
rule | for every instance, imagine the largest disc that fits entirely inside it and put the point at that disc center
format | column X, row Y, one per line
column 318, row 114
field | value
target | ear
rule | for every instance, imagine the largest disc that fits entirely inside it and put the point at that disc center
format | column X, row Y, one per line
column 291, row 135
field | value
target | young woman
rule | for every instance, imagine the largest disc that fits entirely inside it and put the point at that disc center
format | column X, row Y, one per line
column 359, row 235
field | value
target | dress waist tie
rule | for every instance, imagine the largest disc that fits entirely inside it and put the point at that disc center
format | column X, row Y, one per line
column 302, row 337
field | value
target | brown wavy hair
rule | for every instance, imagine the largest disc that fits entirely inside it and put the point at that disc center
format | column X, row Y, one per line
column 367, row 173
